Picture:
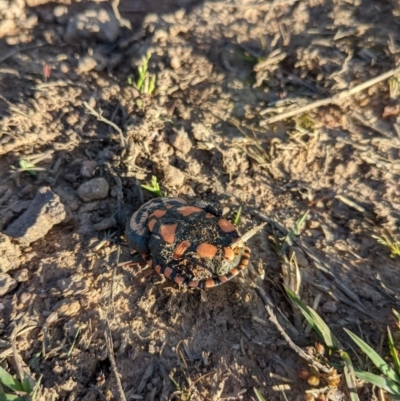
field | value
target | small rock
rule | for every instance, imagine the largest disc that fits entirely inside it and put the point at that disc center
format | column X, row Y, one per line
column 67, row 308
column 105, row 224
column 9, row 254
column 43, row 213
column 329, row 307
column 175, row 63
column 7, row 27
column 93, row 24
column 61, row 14
column 21, row 275
column 180, row 141
column 94, row 189
column 72, row 285
column 52, row 317
column 88, row 168
column 86, row 64
column 25, row 297
column 7, row 284
column 173, row 176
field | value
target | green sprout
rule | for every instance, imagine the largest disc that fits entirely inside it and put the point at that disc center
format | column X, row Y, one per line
column 390, row 243
column 146, row 83
column 154, row 187
column 21, row 389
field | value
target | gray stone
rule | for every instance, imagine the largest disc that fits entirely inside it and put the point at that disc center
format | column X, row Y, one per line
column 329, row 307
column 180, row 141
column 21, row 275
column 94, row 189
column 173, row 176
column 43, row 213
column 93, row 24
column 9, row 254
column 7, row 284
column 88, row 168
column 86, row 64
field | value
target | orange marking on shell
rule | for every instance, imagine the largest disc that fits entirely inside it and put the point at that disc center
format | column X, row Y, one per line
column 167, row 232
column 209, row 283
column 229, row 254
column 151, row 224
column 226, row 226
column 209, row 216
column 234, row 272
column 193, row 284
column 188, row 210
column 206, row 250
column 158, row 213
column 181, row 249
column 158, row 269
column 179, row 280
column 167, row 272
column 223, row 279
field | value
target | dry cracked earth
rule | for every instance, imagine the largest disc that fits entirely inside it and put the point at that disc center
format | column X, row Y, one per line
column 79, row 136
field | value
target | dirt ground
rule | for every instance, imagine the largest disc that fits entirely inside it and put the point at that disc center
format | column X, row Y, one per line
column 74, row 312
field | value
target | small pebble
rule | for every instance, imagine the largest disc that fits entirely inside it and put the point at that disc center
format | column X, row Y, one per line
column 86, row 64
column 175, row 63
column 88, row 168
column 25, row 297
column 7, row 284
column 21, row 275
column 52, row 317
column 97, row 188
column 329, row 307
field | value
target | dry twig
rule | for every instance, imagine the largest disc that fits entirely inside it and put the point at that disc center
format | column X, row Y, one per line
column 333, row 99
column 102, row 119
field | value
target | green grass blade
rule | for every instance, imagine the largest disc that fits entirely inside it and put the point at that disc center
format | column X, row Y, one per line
column 349, row 376
column 154, row 187
column 237, row 216
column 36, row 388
column 315, row 321
column 396, row 315
column 379, row 381
column 7, row 380
column 375, row 357
column 393, row 351
column 27, row 166
column 295, row 230
column 26, row 386
column 258, row 395
column 152, row 84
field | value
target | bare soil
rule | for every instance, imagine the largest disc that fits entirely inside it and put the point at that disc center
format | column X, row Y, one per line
column 222, row 69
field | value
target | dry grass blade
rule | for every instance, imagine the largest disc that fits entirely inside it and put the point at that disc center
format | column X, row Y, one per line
column 246, row 236
column 334, row 99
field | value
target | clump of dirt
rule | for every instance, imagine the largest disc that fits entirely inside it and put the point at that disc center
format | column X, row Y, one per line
column 78, row 125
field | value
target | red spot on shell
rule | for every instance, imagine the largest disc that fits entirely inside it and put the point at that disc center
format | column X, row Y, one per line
column 151, row 224
column 193, row 284
column 209, row 283
column 209, row 216
column 167, row 232
column 167, row 272
column 158, row 269
column 223, row 279
column 158, row 213
column 188, row 210
column 181, row 249
column 179, row 280
column 226, row 226
column 206, row 250
column 229, row 253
